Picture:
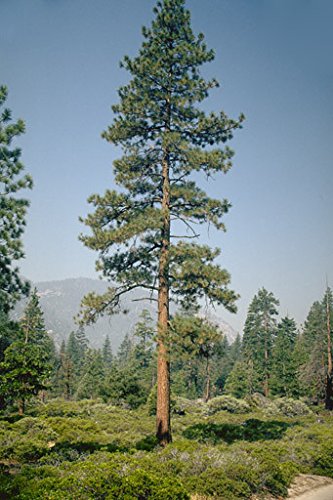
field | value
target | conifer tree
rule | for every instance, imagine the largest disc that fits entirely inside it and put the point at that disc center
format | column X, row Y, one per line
column 165, row 137
column 12, row 208
column 259, row 334
column 197, row 341
column 65, row 375
column 76, row 348
column 92, row 376
column 328, row 303
column 125, row 351
column 107, row 353
column 26, row 367
column 316, row 372
column 284, row 365
column 144, row 349
column 226, row 360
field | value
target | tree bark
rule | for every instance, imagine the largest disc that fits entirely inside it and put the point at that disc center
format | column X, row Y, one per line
column 163, row 427
column 207, row 388
column 329, row 375
column 266, row 375
column 21, row 406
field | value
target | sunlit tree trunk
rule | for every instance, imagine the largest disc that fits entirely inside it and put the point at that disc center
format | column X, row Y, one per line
column 329, row 375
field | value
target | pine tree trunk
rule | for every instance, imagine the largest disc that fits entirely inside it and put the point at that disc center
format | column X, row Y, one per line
column 163, row 427
column 207, row 388
column 21, row 406
column 329, row 375
column 266, row 386
column 329, row 393
column 266, row 373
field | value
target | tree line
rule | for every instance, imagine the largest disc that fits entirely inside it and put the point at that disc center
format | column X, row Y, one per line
column 272, row 357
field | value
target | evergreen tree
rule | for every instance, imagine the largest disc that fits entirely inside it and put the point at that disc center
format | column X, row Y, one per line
column 284, row 366
column 328, row 303
column 259, row 334
column 164, row 136
column 9, row 332
column 243, row 380
column 196, row 340
column 76, row 349
column 26, row 366
column 316, row 371
column 82, row 340
column 12, row 208
column 65, row 376
column 125, row 351
column 90, row 385
column 107, row 353
column 123, row 387
column 225, row 362
column 144, row 350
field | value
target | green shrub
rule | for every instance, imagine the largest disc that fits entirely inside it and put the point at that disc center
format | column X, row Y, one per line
column 26, row 440
column 282, row 406
column 292, row 408
column 215, row 483
column 226, row 403
column 89, row 480
column 182, row 406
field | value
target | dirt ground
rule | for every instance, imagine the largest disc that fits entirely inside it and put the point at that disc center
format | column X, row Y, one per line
column 307, row 487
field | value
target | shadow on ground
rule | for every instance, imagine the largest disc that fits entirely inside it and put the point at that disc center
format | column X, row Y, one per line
column 250, row 430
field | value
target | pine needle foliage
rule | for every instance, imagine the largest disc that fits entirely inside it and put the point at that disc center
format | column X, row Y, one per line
column 12, row 208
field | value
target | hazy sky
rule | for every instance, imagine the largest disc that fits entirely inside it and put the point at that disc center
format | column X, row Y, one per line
column 60, row 60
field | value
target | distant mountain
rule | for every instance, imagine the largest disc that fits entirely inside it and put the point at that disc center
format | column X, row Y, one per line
column 60, row 302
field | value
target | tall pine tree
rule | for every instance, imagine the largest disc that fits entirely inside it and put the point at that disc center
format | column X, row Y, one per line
column 12, row 208
column 284, row 365
column 165, row 137
column 316, row 372
column 259, row 334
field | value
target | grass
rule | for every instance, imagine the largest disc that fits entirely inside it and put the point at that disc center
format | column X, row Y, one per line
column 90, row 450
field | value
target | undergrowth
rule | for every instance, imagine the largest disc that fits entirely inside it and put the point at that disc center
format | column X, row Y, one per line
column 90, row 450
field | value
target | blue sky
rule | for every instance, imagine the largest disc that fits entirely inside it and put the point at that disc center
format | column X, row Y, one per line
column 60, row 61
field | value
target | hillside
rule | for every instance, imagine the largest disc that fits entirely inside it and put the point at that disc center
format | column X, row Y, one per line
column 60, row 301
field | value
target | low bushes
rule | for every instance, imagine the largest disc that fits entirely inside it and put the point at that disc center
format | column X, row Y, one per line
column 227, row 403
column 99, row 451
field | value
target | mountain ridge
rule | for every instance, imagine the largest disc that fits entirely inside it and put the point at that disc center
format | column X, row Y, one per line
column 60, row 301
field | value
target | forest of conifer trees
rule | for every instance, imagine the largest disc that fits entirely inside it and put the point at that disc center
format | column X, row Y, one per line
column 273, row 357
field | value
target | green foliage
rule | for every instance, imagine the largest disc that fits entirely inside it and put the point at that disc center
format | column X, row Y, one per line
column 26, row 440
column 284, row 380
column 92, row 375
column 291, row 407
column 123, row 388
column 259, row 335
column 107, row 353
column 88, row 449
column 242, row 380
column 12, row 208
column 216, row 483
column 226, row 403
column 313, row 368
column 196, row 345
column 26, row 369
